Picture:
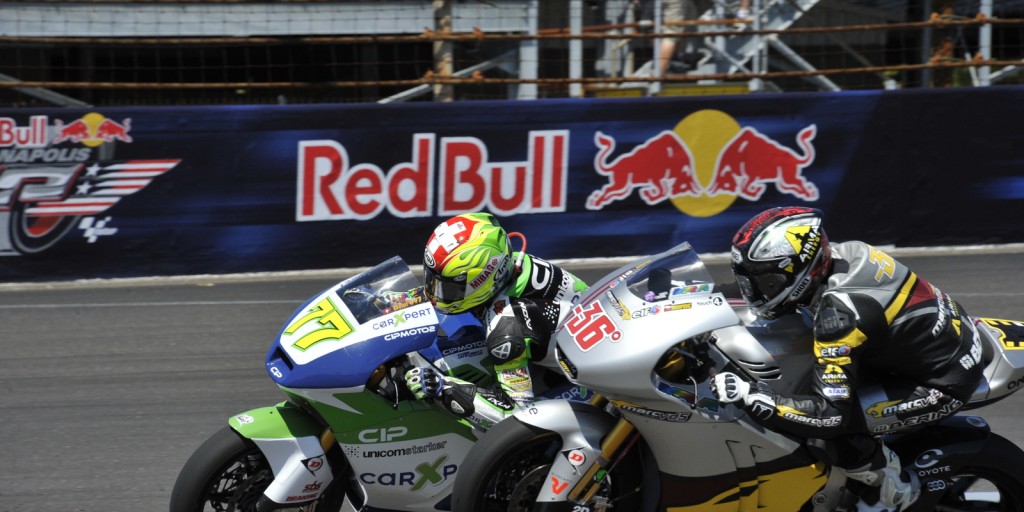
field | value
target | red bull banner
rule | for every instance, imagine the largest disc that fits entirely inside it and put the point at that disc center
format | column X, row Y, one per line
column 126, row 192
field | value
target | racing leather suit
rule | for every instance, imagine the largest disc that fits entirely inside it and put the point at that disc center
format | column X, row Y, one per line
column 892, row 351
column 519, row 322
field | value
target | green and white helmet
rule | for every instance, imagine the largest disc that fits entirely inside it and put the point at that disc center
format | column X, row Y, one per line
column 467, row 262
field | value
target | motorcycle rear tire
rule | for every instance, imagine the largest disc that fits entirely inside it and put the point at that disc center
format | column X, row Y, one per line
column 229, row 473
column 998, row 465
column 512, row 452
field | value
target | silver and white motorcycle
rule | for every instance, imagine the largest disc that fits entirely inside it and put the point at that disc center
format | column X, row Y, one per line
column 648, row 338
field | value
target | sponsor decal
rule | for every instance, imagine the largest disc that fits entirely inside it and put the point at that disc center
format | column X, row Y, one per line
column 832, row 421
column 834, row 375
column 244, row 419
column 332, row 186
column 673, row 416
column 946, row 410
column 840, row 351
column 696, row 288
column 805, row 241
column 677, row 307
column 645, row 311
column 405, row 451
column 575, row 457
column 382, row 435
column 589, row 325
column 798, row 417
column 426, row 474
column 304, row 497
column 399, row 318
column 619, row 308
column 474, row 346
column 893, row 407
column 836, row 392
column 410, row 332
column 313, row 464
column 558, row 486
column 928, row 463
column 703, row 165
column 489, row 269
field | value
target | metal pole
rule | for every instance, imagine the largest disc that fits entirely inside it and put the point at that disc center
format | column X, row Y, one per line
column 985, row 44
column 760, row 57
column 576, row 47
column 926, row 45
column 528, row 54
column 443, row 60
column 655, row 87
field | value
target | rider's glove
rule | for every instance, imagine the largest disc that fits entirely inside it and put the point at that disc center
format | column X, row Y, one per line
column 455, row 394
column 425, row 382
column 759, row 400
column 728, row 387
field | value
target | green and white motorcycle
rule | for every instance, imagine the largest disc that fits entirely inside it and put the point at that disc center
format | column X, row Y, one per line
column 349, row 428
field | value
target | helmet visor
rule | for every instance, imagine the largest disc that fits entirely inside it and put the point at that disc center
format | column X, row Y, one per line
column 760, row 289
column 445, row 290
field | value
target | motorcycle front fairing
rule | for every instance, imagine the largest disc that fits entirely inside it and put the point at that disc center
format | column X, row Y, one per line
column 329, row 348
column 616, row 339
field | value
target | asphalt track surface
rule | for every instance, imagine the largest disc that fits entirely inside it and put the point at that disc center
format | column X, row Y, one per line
column 107, row 388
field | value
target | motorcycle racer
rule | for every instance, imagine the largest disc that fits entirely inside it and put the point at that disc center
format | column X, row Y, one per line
column 892, row 351
column 469, row 265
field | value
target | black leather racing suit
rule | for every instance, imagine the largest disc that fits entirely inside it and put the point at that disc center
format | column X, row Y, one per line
column 892, row 351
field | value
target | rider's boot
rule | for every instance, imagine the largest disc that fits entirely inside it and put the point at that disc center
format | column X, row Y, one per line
column 896, row 489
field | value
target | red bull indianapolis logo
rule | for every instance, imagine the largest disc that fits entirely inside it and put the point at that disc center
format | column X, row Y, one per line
column 41, row 202
column 703, row 165
column 48, row 186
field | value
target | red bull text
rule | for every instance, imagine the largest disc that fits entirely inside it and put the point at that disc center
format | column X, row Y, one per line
column 331, row 187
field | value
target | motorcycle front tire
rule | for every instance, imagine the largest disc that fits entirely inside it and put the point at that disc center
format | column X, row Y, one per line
column 506, row 469
column 229, row 473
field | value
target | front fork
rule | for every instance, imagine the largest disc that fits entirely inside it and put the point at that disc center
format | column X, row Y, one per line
column 613, row 448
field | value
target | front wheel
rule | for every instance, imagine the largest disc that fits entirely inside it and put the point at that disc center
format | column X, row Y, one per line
column 991, row 483
column 228, row 473
column 507, row 468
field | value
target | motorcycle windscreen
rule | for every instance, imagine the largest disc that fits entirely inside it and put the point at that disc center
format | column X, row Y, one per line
column 339, row 337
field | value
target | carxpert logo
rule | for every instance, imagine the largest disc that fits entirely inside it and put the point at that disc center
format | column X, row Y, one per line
column 53, row 180
column 703, row 165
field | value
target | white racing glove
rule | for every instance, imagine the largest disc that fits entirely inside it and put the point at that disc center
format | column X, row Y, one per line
column 758, row 400
column 729, row 388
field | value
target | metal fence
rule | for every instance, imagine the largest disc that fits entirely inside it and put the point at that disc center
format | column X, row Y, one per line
column 174, row 52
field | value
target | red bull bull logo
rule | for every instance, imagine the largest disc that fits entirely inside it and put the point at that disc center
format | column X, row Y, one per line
column 44, row 140
column 703, row 165
column 661, row 167
column 92, row 130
